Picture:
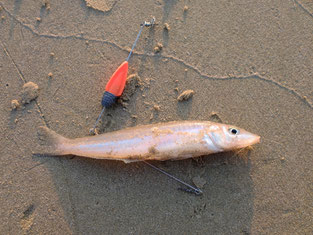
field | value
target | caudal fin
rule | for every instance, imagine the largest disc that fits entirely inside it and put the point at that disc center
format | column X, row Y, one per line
column 50, row 142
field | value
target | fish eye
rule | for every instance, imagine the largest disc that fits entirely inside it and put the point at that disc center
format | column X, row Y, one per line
column 233, row 131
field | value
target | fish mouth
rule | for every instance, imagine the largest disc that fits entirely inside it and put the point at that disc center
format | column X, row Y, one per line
column 254, row 139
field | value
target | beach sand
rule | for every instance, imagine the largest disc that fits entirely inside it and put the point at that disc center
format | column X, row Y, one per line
column 248, row 62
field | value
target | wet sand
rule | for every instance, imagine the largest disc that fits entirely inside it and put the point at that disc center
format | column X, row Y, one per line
column 249, row 63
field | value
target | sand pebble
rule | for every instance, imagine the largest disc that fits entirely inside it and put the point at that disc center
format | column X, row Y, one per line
column 29, row 92
column 214, row 117
column 167, row 27
column 15, row 104
column 198, row 181
column 156, row 107
column 158, row 48
column 185, row 95
column 46, row 4
column 93, row 131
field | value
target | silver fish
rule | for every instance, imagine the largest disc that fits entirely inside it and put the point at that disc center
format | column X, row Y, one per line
column 163, row 141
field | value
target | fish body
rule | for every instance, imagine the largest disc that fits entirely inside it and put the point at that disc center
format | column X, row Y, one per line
column 164, row 141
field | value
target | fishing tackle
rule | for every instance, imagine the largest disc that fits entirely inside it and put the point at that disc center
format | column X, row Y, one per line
column 116, row 84
column 189, row 189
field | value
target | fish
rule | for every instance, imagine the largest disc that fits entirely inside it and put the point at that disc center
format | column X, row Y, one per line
column 176, row 140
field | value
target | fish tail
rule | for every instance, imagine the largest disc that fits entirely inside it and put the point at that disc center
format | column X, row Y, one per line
column 51, row 143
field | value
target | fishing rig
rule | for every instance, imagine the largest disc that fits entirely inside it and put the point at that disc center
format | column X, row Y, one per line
column 114, row 89
column 115, row 86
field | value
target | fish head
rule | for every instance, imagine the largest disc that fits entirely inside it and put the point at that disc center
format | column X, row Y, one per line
column 228, row 137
